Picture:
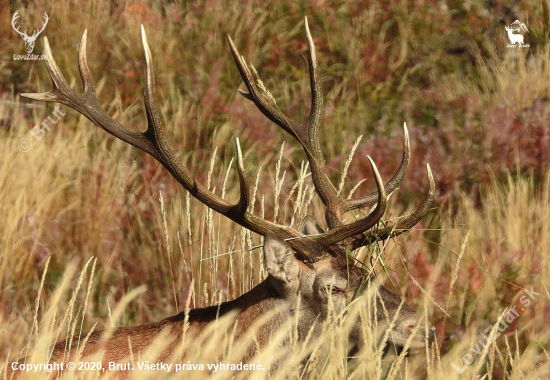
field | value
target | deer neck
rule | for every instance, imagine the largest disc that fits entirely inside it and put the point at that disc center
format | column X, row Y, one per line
column 251, row 306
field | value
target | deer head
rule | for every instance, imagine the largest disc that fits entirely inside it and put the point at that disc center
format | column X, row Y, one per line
column 309, row 263
column 329, row 285
column 29, row 41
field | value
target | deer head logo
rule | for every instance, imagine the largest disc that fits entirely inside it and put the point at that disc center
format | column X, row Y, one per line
column 29, row 40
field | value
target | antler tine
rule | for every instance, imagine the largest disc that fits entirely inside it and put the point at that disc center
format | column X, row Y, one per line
column 257, row 96
column 404, row 224
column 85, row 74
column 346, row 231
column 391, row 185
column 316, row 112
column 306, row 132
column 243, row 180
column 154, row 130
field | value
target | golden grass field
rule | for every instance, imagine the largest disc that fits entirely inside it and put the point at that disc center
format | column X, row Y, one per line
column 96, row 234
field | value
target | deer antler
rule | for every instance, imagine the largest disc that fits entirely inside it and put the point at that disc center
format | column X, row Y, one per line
column 153, row 142
column 306, row 133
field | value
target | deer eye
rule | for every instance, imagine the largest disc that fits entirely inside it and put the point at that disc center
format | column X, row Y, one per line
column 333, row 289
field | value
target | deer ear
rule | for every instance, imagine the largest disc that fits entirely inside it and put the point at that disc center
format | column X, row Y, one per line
column 309, row 227
column 279, row 259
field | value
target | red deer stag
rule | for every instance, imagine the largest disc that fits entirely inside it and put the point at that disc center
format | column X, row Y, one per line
column 314, row 268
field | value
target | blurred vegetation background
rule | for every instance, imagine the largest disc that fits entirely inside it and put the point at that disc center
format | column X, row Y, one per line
column 477, row 112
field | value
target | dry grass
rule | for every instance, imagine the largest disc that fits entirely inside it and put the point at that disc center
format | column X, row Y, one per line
column 80, row 200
